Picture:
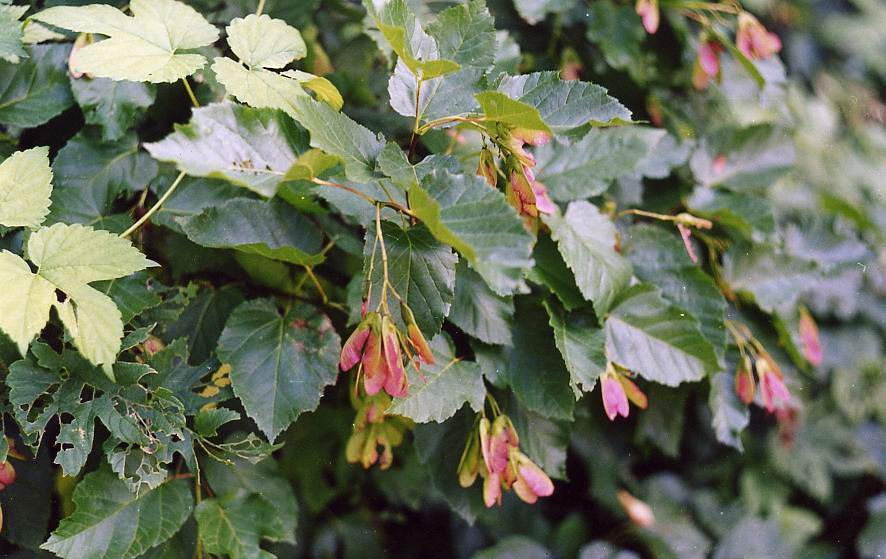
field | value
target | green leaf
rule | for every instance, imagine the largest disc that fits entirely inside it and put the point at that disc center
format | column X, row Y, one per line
column 498, row 107
column 659, row 342
column 515, row 547
column 662, row 422
column 420, row 269
column 35, row 90
column 271, row 229
column 478, row 310
column 586, row 240
column 25, row 186
column 280, row 363
column 544, row 440
column 462, row 211
column 110, row 522
column 24, row 302
column 535, row 370
column 242, row 478
column 568, row 107
column 587, row 167
column 442, row 388
column 235, row 526
column 581, row 342
column 337, row 134
column 772, row 279
column 730, row 415
column 90, row 175
column 261, row 43
column 142, row 48
column 248, row 147
column 133, row 294
column 114, row 105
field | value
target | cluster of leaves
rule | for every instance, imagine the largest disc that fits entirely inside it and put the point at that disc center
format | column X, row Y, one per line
column 190, row 226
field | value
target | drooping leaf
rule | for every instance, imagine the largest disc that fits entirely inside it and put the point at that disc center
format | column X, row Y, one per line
column 110, row 522
column 25, row 186
column 90, row 175
column 586, row 240
column 544, row 440
column 462, row 211
column 439, row 447
column 568, row 107
column 445, row 387
column 420, row 269
column 248, row 147
column 36, row 89
column 656, row 340
column 272, row 229
column 280, row 363
column 144, row 47
column 730, row 416
column 581, row 342
column 478, row 310
column 114, row 105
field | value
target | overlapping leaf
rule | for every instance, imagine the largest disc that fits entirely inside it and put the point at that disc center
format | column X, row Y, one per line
column 248, row 147
column 586, row 240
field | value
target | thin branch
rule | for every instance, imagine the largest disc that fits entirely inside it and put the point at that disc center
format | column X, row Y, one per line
column 191, row 93
column 134, row 227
